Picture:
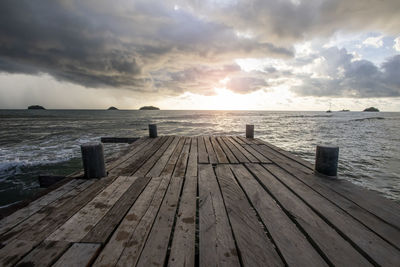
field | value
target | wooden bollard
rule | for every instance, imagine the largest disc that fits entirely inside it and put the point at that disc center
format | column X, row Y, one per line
column 152, row 130
column 249, row 131
column 93, row 160
column 326, row 160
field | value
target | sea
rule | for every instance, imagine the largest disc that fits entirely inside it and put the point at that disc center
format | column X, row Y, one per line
column 34, row 142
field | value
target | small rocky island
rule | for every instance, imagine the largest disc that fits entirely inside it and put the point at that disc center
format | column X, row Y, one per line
column 371, row 109
column 112, row 108
column 149, row 108
column 35, row 107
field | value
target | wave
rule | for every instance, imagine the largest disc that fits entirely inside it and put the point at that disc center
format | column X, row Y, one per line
column 368, row 119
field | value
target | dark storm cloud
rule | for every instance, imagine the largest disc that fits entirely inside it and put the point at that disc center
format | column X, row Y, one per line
column 346, row 77
column 115, row 44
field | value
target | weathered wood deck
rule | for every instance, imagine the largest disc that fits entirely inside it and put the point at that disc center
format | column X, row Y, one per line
column 204, row 201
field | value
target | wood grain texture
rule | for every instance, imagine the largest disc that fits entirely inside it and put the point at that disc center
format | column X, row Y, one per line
column 221, row 157
column 160, row 165
column 79, row 254
column 227, row 151
column 328, row 241
column 210, row 150
column 126, row 229
column 216, row 242
column 193, row 155
column 183, row 242
column 293, row 245
column 253, row 243
column 371, row 244
column 203, row 155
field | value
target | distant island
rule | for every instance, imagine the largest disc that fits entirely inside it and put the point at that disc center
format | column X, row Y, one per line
column 35, row 107
column 344, row 110
column 149, row 108
column 371, row 109
column 112, row 108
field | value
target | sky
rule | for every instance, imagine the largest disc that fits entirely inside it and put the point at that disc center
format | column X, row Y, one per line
column 200, row 54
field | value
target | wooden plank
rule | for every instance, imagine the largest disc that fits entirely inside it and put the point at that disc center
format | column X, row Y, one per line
column 238, row 155
column 180, row 167
column 218, row 151
column 138, row 236
column 183, row 243
column 20, row 215
column 104, row 228
column 14, row 251
column 83, row 221
column 45, row 254
column 323, row 236
column 292, row 244
column 169, row 168
column 32, row 221
column 375, row 247
column 120, row 238
column 228, row 153
column 143, row 157
column 146, row 167
column 287, row 154
column 203, row 156
column 210, row 151
column 387, row 210
column 155, row 249
column 277, row 158
column 385, row 230
column 216, row 243
column 252, row 242
column 249, row 156
column 160, row 165
column 192, row 163
column 133, row 149
column 66, row 210
column 79, row 254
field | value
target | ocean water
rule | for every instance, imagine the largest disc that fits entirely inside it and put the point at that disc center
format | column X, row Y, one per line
column 34, row 142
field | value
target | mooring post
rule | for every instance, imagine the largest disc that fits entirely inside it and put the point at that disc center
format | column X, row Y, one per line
column 326, row 160
column 93, row 160
column 152, row 130
column 249, row 131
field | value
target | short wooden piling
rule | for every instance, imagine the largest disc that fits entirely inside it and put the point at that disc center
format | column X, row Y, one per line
column 93, row 160
column 152, row 130
column 326, row 160
column 249, row 131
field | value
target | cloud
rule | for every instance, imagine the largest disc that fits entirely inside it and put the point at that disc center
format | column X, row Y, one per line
column 396, row 45
column 104, row 44
column 341, row 76
column 374, row 41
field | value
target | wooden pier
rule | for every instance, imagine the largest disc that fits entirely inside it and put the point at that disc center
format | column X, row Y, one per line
column 204, row 201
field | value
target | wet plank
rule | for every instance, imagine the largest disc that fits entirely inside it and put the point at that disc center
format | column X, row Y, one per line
column 203, row 156
column 221, row 157
column 312, row 224
column 210, row 150
column 292, row 244
column 120, row 238
column 216, row 243
column 104, row 228
column 227, row 151
column 79, row 254
column 155, row 250
column 372, row 246
column 183, row 242
column 254, row 245
column 162, row 162
column 45, row 254
column 83, row 221
column 192, row 163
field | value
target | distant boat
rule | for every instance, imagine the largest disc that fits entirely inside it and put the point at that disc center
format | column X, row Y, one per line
column 329, row 110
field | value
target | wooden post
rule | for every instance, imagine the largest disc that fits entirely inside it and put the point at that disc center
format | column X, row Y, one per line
column 326, row 160
column 93, row 160
column 249, row 131
column 152, row 130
